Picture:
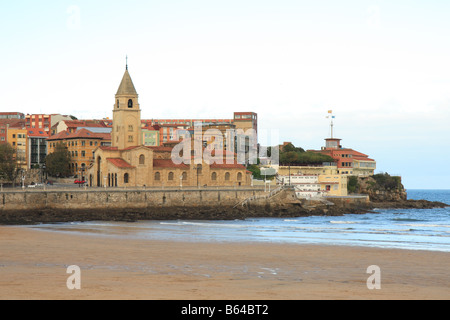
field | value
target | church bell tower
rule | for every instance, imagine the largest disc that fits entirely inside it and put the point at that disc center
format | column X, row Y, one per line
column 126, row 130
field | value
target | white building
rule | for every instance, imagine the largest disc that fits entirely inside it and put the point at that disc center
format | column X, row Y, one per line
column 306, row 185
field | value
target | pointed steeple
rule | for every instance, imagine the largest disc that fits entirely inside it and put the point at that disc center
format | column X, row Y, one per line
column 126, row 86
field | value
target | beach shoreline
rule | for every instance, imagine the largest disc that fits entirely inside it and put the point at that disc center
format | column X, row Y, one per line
column 34, row 266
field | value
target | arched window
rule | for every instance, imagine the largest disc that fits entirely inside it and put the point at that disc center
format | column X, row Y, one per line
column 214, row 176
column 170, row 175
column 117, row 103
column 125, row 178
column 157, row 176
column 227, row 176
column 141, row 159
column 130, row 103
column 184, row 175
column 239, row 176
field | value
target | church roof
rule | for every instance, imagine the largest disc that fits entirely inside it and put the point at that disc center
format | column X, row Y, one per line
column 119, row 163
column 126, row 86
column 80, row 134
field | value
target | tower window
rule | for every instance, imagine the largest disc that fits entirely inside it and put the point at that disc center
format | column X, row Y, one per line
column 130, row 103
column 117, row 103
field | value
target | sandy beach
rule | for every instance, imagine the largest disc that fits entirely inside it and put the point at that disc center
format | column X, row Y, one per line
column 33, row 265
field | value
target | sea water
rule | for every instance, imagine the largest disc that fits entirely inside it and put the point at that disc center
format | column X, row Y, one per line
column 420, row 229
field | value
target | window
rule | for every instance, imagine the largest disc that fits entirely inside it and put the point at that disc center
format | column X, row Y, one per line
column 83, row 153
column 125, row 178
column 130, row 103
column 214, row 176
column 239, row 176
column 184, row 176
column 130, row 138
column 130, row 128
column 141, row 159
column 157, row 176
column 170, row 176
column 117, row 103
column 227, row 176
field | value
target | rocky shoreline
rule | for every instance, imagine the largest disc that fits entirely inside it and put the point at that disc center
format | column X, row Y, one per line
column 30, row 217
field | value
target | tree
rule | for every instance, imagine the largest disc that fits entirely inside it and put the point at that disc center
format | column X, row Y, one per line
column 9, row 169
column 58, row 162
column 290, row 147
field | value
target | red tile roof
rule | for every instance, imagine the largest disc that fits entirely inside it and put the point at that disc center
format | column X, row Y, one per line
column 119, row 162
column 37, row 132
column 81, row 134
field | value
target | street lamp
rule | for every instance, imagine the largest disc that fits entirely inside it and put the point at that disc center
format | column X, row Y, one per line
column 23, row 179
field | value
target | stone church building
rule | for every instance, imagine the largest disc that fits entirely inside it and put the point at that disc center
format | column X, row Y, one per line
column 128, row 163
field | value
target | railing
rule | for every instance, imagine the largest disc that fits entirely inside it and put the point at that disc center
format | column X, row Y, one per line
column 267, row 196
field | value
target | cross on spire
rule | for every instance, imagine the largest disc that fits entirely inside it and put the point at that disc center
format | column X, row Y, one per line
column 127, row 62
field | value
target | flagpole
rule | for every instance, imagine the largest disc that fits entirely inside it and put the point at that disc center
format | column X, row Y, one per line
column 331, row 128
column 330, row 112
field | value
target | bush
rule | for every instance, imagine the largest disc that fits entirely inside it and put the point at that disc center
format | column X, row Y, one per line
column 352, row 184
column 386, row 181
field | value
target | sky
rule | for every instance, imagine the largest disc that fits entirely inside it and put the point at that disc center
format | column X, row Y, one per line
column 383, row 67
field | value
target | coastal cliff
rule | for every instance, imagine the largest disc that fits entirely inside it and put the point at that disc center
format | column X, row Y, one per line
column 386, row 191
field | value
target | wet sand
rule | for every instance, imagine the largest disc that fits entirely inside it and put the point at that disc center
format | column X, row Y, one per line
column 33, row 265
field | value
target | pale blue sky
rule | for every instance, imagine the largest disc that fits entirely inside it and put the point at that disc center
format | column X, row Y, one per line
column 382, row 66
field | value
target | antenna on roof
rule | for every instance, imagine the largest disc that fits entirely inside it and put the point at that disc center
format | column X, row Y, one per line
column 330, row 116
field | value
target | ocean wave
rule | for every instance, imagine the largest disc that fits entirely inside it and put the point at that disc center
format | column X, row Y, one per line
column 406, row 219
column 345, row 222
column 425, row 225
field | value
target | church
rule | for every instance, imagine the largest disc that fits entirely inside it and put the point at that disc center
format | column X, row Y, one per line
column 128, row 163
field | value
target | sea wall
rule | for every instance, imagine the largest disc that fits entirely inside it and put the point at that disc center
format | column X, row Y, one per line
column 131, row 205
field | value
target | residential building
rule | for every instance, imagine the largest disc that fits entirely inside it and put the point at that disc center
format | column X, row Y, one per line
column 315, row 185
column 12, row 115
column 349, row 161
column 18, row 139
column 151, row 136
column 37, row 147
column 81, row 145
